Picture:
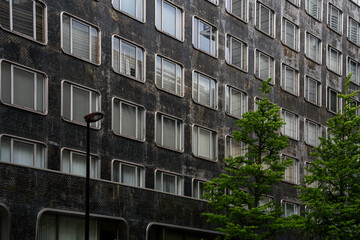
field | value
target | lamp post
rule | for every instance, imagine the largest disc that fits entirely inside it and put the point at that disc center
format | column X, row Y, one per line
column 90, row 118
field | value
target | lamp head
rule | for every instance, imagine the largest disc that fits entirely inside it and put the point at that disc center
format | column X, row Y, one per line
column 94, row 117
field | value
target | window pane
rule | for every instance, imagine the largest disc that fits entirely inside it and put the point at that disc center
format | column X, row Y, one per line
column 169, row 16
column 169, row 138
column 94, row 45
column 168, row 183
column 5, row 14
column 264, row 66
column 128, row 6
column 204, row 143
column 80, row 39
column 66, row 33
column 128, row 59
column 128, row 123
column 80, row 104
column 236, row 55
column 312, row 95
column 169, row 76
column 23, row 17
column 5, row 149
column 78, row 166
column 128, row 175
column 23, row 88
column 40, row 21
column 265, row 19
column 6, row 82
column 204, row 90
column 40, row 92
column 205, row 35
column 23, row 153
column 116, row 54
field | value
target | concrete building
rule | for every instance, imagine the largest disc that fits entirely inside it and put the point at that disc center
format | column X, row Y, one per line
column 171, row 77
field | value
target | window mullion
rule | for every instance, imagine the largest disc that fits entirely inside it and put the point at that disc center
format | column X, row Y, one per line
column 120, row 172
column 176, row 141
column 162, row 15
column 90, row 43
column 70, row 163
column 11, row 15
column 121, row 117
column 162, row 181
column 12, row 83
column 34, row 156
column 71, row 101
column 211, row 144
column 136, row 122
column 71, row 33
column 162, row 129
column 34, row 19
column 136, row 61
column 162, row 72
column 11, row 150
column 35, row 91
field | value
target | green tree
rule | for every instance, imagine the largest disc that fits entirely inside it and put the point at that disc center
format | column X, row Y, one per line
column 239, row 195
column 334, row 202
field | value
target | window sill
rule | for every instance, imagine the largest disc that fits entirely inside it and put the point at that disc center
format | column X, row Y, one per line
column 270, row 36
column 170, row 149
column 171, row 36
column 26, row 36
column 318, row 20
column 169, row 92
column 292, row 49
column 246, row 21
column 317, row 105
column 312, row 146
column 81, row 58
column 130, row 77
column 293, row 94
column 205, row 158
column 356, row 44
column 339, row 74
column 129, row 137
column 80, row 123
column 24, row 108
column 231, row 65
column 232, row 116
column 297, row 6
column 292, row 183
column 130, row 16
column 335, row 31
column 272, row 82
column 318, row 63
column 200, row 50
column 204, row 105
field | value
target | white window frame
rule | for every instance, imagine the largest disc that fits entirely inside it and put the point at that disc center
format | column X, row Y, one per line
column 318, row 53
column 91, row 26
column 272, row 19
column 138, row 16
column 296, row 33
column 96, row 125
column 296, row 170
column 337, row 66
column 138, row 50
column 285, row 115
column 178, row 24
column 229, row 52
column 178, row 179
column 296, row 207
column 12, row 138
column 139, row 169
column 294, row 2
column 229, row 146
column 212, row 151
column 307, row 92
column 339, row 23
column 196, row 186
column 33, row 37
column 319, row 7
column 328, row 99
column 179, row 128
column 177, row 65
column 284, row 82
column 138, row 112
column 196, row 97
column 35, row 82
column 318, row 132
column 355, row 76
column 351, row 23
column 212, row 52
column 228, row 101
column 271, row 66
column 244, row 14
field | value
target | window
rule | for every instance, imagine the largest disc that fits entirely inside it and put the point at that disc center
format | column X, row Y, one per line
column 156, row 231
column 169, row 76
column 354, row 31
column 128, row 119
column 205, row 36
column 238, row 8
column 169, row 19
column 129, row 174
column 26, row 18
column 78, row 101
column 234, row 148
column 4, row 222
column 236, row 53
column 168, row 182
column 23, row 87
column 213, row 1
column 290, row 128
column 334, row 60
column 308, row 173
column 235, row 101
column 22, row 151
column 357, row 2
column 354, row 68
column 333, row 102
column 312, row 91
column 334, row 18
column 291, row 174
column 204, row 90
column 313, row 48
column 132, row 8
column 356, row 104
column 169, row 132
column 295, row 2
column 198, row 188
column 265, row 19
column 204, row 142
column 68, row 225
column 74, row 162
column 314, row 8
column 80, row 39
column 290, row 34
column 264, row 66
column 290, row 208
column 290, row 79
column 312, row 133
column 128, row 59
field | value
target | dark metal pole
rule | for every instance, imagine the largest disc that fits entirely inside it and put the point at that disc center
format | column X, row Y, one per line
column 87, row 191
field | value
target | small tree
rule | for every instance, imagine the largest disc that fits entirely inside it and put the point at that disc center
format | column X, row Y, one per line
column 238, row 196
column 334, row 204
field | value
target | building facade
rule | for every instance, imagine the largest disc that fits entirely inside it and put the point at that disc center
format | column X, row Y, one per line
column 171, row 77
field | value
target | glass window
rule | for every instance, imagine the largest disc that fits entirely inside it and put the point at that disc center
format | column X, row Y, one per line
column 289, row 79
column 236, row 53
column 4, row 222
column 295, row 2
column 169, row 76
column 204, row 143
column 265, row 19
column 290, row 208
column 74, row 162
column 354, row 68
column 128, row 119
column 169, row 132
column 204, row 90
column 213, row 1
column 334, row 18
column 22, row 87
column 80, row 39
column 22, row 151
column 313, row 48
column 234, row 148
column 238, row 8
column 312, row 133
column 333, row 102
column 292, row 172
column 314, row 8
column 205, row 36
column 290, row 34
column 169, row 19
column 290, row 128
column 354, row 31
column 128, row 59
column 334, row 60
column 236, row 102
column 168, row 182
column 264, row 66
column 27, row 18
column 357, row 2
column 198, row 188
column 129, row 174
column 312, row 90
column 356, row 104
column 308, row 173
column 78, row 101
column 133, row 8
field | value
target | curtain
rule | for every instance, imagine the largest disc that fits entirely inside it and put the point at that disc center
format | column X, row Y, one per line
column 158, row 72
column 116, row 54
column 5, row 149
column 128, row 120
column 290, row 80
column 24, row 88
column 94, row 45
column 236, row 103
column 265, row 19
column 47, row 227
column 204, row 90
column 313, row 48
column 80, row 39
column 334, row 18
column 204, row 143
column 169, row 138
column 169, row 19
column 128, row 175
column 168, row 183
column 290, row 34
column 80, row 104
column 6, row 82
column 40, row 93
column 289, row 172
column 235, row 148
column 236, row 56
column 5, row 14
column 128, row 59
column 23, row 21
column 40, row 22
column 66, row 33
column 78, row 164
column 23, row 153
column 264, row 66
column 334, row 61
column 169, row 75
column 179, row 79
column 311, row 134
column 140, row 65
column 312, row 91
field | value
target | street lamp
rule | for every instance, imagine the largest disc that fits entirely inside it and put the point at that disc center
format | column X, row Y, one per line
column 90, row 118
